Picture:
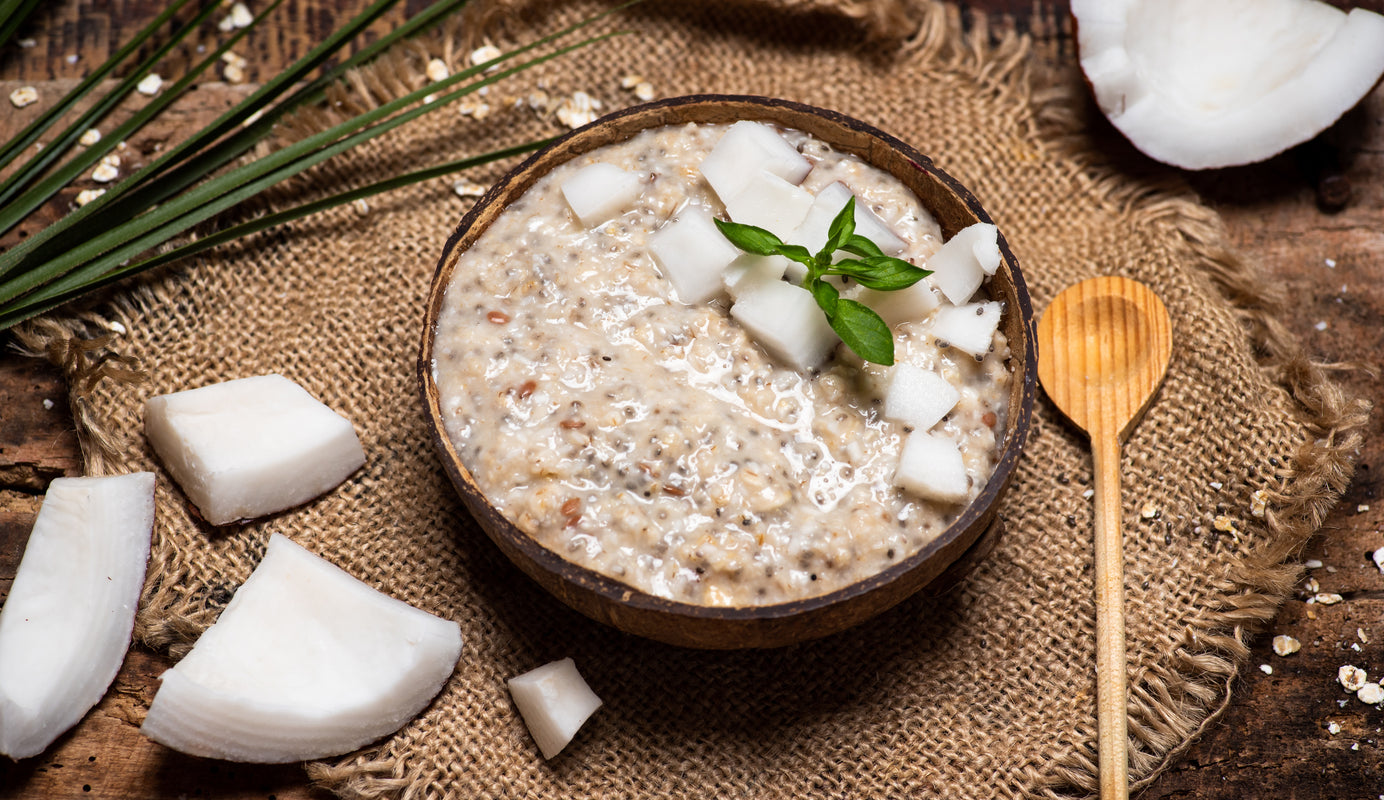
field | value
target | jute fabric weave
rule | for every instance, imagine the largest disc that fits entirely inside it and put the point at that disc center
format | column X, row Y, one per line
column 986, row 691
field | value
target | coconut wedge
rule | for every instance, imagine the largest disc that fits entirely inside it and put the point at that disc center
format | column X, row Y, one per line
column 250, row 447
column 305, row 662
column 555, row 701
column 1202, row 84
column 66, row 624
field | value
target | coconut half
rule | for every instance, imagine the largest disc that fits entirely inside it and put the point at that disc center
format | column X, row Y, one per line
column 305, row 662
column 1202, row 84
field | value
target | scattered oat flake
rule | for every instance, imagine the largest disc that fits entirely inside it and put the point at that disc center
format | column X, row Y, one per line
column 48, row 404
column 1378, row 559
column 1149, row 511
column 361, row 206
column 1225, row 525
column 1216, row 485
column 253, row 118
column 151, row 84
column 1355, row 646
column 1331, row 263
column 1327, row 598
column 72, row 58
column 1362, row 508
column 437, row 70
column 91, row 137
column 232, row 57
column 27, row 43
column 105, row 172
column 241, row 16
column 1088, row 494
column 24, row 96
column 631, row 80
column 485, row 53
column 1351, row 677
column 233, row 73
column 1258, row 503
column 1286, row 645
column 87, row 195
column 1266, row 669
column 468, row 189
column 1321, row 326
column 644, row 91
column 115, row 327
column 1362, row 636
column 1312, row 586
column 1313, row 563
column 1333, row 728
column 1371, row 693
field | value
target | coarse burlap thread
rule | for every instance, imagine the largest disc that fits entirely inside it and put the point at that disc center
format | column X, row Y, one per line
column 986, row 691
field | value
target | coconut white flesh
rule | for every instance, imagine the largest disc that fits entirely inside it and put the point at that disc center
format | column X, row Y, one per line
column 65, row 626
column 931, row 466
column 960, row 265
column 305, row 662
column 917, row 397
column 693, row 255
column 816, row 226
column 970, row 328
column 250, row 447
column 785, row 320
column 555, row 701
column 1202, row 84
column 771, row 203
column 600, row 191
column 745, row 149
column 749, row 270
column 900, row 305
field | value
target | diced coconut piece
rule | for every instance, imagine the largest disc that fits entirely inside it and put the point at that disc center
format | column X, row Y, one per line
column 786, row 321
column 600, row 191
column 771, row 203
column 250, row 447
column 901, row 305
column 813, row 231
column 66, row 623
column 305, row 662
column 746, row 149
column 917, row 397
column 960, row 266
column 970, row 328
column 693, row 254
column 554, row 701
column 931, row 466
column 749, row 270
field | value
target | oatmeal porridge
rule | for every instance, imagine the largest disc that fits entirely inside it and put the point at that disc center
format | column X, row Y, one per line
column 655, row 441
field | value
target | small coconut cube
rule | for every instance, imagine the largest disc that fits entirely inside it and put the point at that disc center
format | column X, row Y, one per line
column 749, row 270
column 771, row 203
column 250, row 447
column 600, row 191
column 746, row 149
column 693, row 254
column 816, row 225
column 554, row 701
column 931, row 467
column 961, row 264
column 786, row 321
column 918, row 398
column 970, row 327
column 902, row 305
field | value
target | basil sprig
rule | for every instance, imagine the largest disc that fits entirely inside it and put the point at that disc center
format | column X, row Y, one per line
column 858, row 326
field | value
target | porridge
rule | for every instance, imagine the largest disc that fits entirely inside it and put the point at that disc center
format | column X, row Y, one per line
column 652, row 439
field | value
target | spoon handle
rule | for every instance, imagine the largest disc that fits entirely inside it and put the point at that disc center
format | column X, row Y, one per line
column 1111, row 692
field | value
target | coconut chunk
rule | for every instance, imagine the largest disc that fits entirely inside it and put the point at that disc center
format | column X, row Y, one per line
column 250, row 447
column 1203, row 85
column 785, row 320
column 960, row 265
column 812, row 233
column 771, row 203
column 65, row 626
column 693, row 254
column 970, row 328
column 746, row 149
column 917, row 397
column 931, row 466
column 901, row 305
column 749, row 270
column 601, row 191
column 305, row 662
column 555, row 701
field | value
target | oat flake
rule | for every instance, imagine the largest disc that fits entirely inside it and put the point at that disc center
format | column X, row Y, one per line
column 151, row 84
column 1327, row 598
column 437, row 70
column 87, row 195
column 1266, row 669
column 1258, row 503
column 24, row 96
column 1149, row 511
column 91, row 137
column 105, row 172
column 468, row 189
column 1351, row 677
column 1333, row 728
column 1371, row 693
column 1286, row 645
column 485, row 53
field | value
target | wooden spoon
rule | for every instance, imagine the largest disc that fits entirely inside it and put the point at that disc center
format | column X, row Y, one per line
column 1103, row 348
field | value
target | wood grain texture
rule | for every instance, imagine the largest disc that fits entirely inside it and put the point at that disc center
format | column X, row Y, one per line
column 1274, row 741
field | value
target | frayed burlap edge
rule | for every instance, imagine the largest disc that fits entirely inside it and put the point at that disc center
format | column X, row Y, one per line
column 1172, row 703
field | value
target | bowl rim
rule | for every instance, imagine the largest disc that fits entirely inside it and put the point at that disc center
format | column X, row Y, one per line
column 982, row 509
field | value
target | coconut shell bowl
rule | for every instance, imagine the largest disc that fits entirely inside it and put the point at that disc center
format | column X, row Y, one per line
column 940, row 562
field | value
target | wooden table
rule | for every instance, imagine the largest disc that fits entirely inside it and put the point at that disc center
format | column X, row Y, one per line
column 1275, row 740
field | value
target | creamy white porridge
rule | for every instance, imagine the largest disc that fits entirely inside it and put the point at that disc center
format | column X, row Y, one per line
column 653, row 441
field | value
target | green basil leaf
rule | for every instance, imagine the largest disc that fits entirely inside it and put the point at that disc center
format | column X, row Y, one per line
column 858, row 245
column 882, row 273
column 750, row 239
column 864, row 332
column 798, row 253
column 842, row 228
column 826, row 296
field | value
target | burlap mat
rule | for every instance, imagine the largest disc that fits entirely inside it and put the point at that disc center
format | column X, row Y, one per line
column 984, row 692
